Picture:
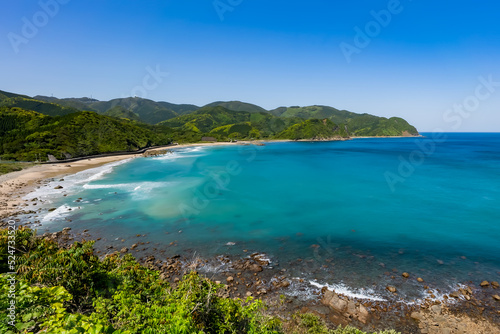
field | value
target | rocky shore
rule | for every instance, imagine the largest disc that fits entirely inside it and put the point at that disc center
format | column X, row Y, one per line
column 470, row 309
column 474, row 308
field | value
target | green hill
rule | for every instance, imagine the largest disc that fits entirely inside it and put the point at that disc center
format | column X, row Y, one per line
column 237, row 106
column 24, row 134
column 357, row 124
column 180, row 109
column 120, row 112
column 148, row 111
column 207, row 118
column 315, row 129
column 46, row 108
column 83, row 103
column 224, row 124
column 132, row 123
column 369, row 125
column 4, row 95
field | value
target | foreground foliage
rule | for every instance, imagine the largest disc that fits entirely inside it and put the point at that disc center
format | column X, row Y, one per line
column 71, row 290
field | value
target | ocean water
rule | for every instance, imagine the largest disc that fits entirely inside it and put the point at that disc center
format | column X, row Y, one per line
column 347, row 214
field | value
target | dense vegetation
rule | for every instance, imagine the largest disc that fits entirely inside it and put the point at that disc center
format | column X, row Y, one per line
column 27, row 135
column 70, row 290
column 356, row 124
column 31, row 129
column 237, row 106
column 50, row 109
column 315, row 129
column 145, row 110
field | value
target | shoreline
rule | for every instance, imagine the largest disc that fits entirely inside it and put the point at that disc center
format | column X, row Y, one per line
column 15, row 185
column 22, row 182
column 465, row 311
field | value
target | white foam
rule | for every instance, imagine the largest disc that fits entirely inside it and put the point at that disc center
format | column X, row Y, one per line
column 192, row 149
column 261, row 257
column 126, row 186
column 71, row 182
column 439, row 296
column 181, row 153
column 342, row 289
column 58, row 213
column 98, row 172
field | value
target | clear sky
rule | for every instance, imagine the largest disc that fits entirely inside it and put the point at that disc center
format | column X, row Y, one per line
column 421, row 59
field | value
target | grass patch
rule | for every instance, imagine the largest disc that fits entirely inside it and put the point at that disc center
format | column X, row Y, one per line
column 8, row 167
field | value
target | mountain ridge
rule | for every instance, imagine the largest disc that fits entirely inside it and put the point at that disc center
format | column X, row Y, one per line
column 30, row 127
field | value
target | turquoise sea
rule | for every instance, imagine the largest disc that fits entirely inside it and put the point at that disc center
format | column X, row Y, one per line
column 347, row 214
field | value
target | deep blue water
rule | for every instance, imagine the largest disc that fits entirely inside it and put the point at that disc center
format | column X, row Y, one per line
column 340, row 213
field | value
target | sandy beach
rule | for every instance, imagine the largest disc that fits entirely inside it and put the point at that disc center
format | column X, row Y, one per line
column 15, row 185
column 432, row 316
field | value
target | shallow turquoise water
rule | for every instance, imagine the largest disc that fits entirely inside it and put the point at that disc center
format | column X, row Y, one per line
column 362, row 207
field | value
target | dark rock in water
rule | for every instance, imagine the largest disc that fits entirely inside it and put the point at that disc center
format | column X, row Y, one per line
column 405, row 275
column 255, row 268
column 52, row 209
column 58, row 187
column 495, row 285
column 485, row 284
column 391, row 289
column 285, row 284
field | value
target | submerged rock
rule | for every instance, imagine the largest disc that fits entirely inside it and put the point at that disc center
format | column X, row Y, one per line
column 391, row 289
column 485, row 284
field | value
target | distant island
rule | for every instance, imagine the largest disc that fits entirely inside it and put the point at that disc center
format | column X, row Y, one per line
column 32, row 128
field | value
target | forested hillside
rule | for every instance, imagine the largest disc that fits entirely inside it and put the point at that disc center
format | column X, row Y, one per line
column 31, row 128
column 26, row 135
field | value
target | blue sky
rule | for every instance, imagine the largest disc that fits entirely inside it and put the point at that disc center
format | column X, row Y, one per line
column 421, row 60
